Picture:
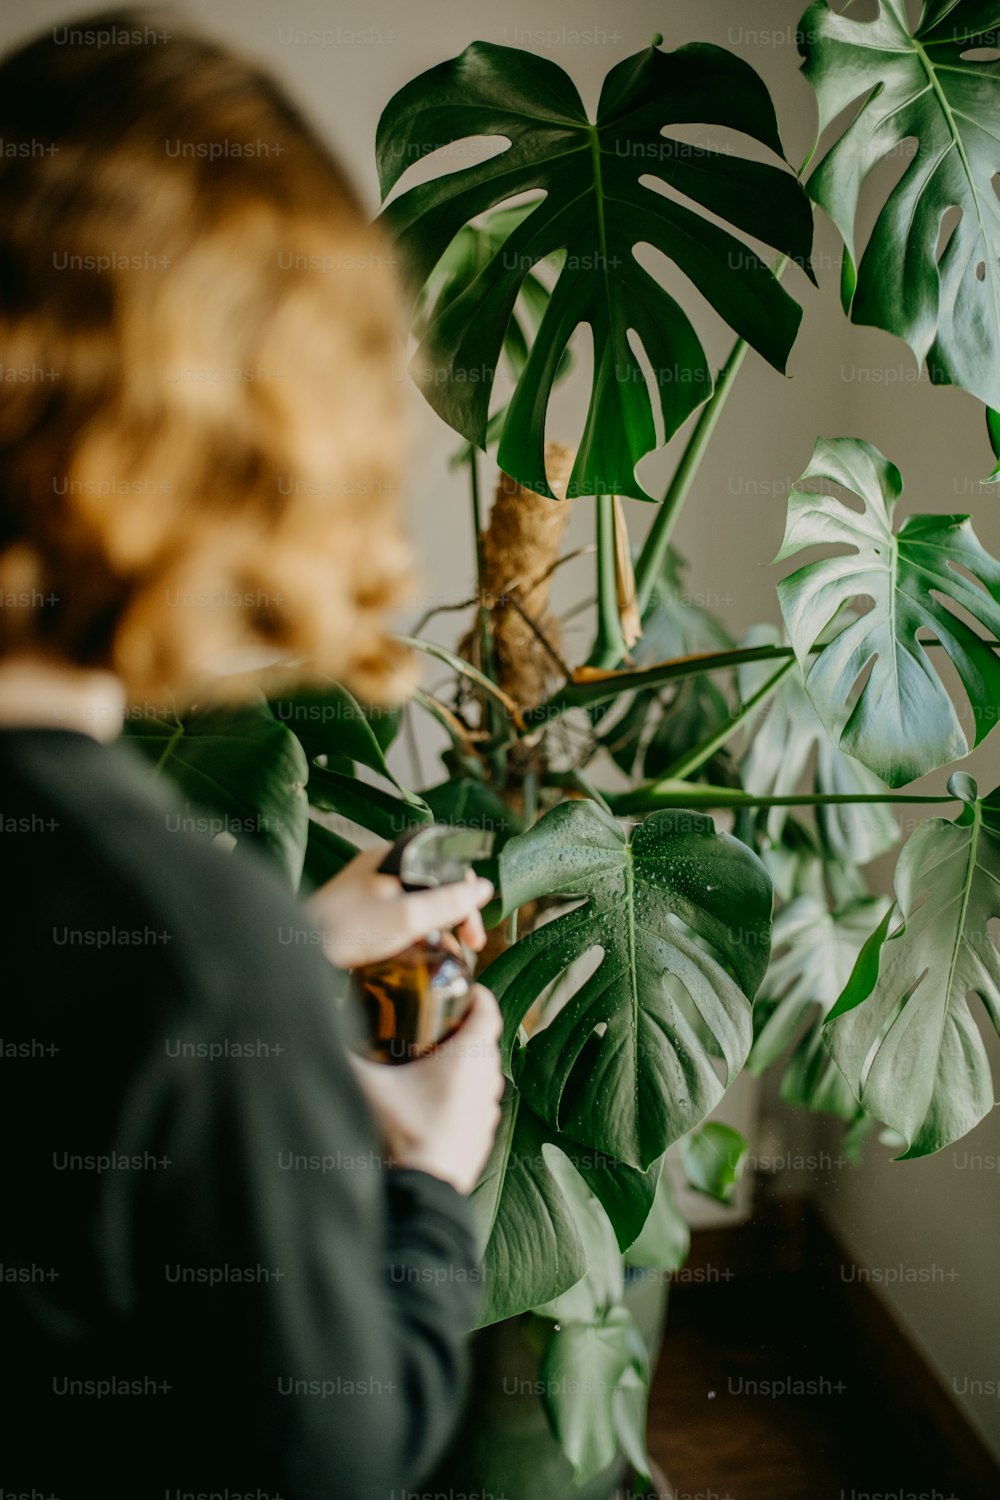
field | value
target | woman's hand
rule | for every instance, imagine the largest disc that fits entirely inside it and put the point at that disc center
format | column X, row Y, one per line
column 366, row 916
column 440, row 1113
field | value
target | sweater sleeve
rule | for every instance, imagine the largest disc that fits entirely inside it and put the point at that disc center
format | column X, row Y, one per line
column 341, row 1337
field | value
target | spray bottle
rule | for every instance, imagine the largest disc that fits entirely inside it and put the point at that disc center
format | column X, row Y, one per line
column 417, row 998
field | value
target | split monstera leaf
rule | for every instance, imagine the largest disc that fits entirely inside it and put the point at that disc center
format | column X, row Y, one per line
column 659, row 962
column 679, row 916
column 604, row 188
column 938, row 87
column 900, row 722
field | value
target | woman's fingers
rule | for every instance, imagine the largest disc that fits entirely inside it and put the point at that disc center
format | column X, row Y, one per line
column 367, row 916
column 445, row 905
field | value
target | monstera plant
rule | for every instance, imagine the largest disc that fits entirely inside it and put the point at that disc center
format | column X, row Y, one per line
column 631, row 936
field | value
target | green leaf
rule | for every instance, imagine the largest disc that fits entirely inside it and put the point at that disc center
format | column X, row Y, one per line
column 902, row 722
column 993, row 432
column 713, row 1157
column 591, row 1374
column 852, row 1142
column 473, row 247
column 368, row 806
column 597, row 687
column 494, row 427
column 471, row 250
column 241, row 765
column 385, row 724
column 918, row 85
column 552, row 1212
column 787, row 741
column 814, row 952
column 696, row 710
column 625, row 1194
column 531, row 1246
column 665, row 1240
column 467, row 802
column 622, row 734
column 902, row 1032
column 326, row 855
column 328, row 721
column 535, row 1247
column 594, row 210
column 793, row 860
column 679, row 916
column 813, row 1081
column 677, row 621
column 604, row 1283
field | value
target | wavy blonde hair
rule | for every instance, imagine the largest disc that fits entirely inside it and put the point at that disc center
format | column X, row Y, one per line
column 201, row 392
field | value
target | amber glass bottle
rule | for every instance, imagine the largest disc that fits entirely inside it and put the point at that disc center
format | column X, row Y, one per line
column 417, row 998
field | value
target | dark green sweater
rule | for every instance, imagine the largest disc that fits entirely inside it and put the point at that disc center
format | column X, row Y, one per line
column 210, row 1282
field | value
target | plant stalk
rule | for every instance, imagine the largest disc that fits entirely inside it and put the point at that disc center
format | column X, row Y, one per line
column 482, row 611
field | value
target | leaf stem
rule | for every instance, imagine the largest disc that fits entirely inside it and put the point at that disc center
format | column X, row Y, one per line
column 652, row 555
column 482, row 612
column 575, row 781
column 477, row 517
column 659, row 794
column 411, row 743
column 609, row 646
column 465, row 669
column 168, row 749
column 586, row 689
column 695, row 758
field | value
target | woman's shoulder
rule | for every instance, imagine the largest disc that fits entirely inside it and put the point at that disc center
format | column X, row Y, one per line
column 127, row 855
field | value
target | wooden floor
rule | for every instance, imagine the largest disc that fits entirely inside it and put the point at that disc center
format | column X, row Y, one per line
column 768, row 1389
column 718, row 1430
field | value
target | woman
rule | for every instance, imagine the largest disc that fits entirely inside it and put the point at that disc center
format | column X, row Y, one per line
column 233, row 1262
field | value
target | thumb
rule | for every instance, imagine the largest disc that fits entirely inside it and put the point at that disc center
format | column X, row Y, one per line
column 481, row 1030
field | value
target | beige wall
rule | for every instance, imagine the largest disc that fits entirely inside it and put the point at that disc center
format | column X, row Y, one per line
column 928, row 1214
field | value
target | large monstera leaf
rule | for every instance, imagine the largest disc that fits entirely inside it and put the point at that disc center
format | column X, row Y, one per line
column 902, row 722
column 595, row 209
column 787, row 743
column 533, row 1249
column 922, row 85
column 680, row 916
column 902, row 1032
